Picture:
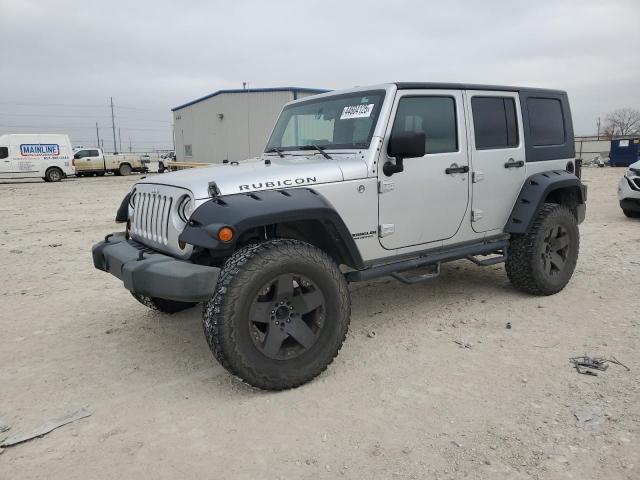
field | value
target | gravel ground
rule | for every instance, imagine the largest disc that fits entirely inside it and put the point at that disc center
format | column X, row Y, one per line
column 402, row 400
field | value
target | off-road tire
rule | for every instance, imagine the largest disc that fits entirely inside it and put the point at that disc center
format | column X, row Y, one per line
column 630, row 213
column 226, row 314
column 124, row 169
column 525, row 265
column 53, row 174
column 162, row 304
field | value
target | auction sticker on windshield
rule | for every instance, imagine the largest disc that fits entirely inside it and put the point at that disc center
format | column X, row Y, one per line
column 356, row 111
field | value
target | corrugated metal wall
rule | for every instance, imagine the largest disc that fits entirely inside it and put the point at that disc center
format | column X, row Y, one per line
column 241, row 133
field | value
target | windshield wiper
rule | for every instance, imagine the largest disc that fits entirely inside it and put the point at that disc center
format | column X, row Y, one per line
column 316, row 147
column 275, row 150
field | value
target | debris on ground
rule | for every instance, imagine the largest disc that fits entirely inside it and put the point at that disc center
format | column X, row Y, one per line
column 508, row 326
column 54, row 245
column 463, row 344
column 46, row 427
column 586, row 365
column 585, row 415
column 371, row 333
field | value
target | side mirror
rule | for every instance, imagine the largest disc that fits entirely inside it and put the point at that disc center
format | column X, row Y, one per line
column 76, row 156
column 404, row 145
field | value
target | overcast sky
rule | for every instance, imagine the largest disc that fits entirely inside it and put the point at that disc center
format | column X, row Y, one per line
column 62, row 60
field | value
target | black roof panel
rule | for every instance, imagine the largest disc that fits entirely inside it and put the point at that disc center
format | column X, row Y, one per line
column 470, row 86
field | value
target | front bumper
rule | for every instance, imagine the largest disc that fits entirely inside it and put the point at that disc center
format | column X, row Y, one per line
column 153, row 274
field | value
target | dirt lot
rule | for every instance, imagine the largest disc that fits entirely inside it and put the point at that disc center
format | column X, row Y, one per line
column 403, row 402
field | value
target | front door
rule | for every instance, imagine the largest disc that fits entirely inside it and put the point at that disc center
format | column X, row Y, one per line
column 5, row 162
column 427, row 201
column 498, row 157
column 82, row 161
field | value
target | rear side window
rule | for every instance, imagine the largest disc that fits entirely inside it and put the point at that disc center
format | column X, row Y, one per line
column 93, row 153
column 433, row 116
column 494, row 122
column 546, row 122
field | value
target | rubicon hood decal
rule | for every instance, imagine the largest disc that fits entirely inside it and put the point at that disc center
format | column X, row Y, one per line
column 289, row 182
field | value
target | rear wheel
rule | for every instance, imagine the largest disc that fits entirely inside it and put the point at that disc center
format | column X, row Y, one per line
column 162, row 304
column 279, row 315
column 542, row 261
column 53, row 174
column 125, row 169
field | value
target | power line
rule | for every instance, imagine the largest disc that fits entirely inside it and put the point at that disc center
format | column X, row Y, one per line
column 141, row 109
column 40, row 104
column 82, row 127
column 80, row 105
column 82, row 116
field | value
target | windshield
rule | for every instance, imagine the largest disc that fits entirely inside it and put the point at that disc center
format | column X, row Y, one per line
column 340, row 121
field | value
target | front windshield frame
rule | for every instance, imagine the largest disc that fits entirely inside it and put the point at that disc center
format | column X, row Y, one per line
column 275, row 139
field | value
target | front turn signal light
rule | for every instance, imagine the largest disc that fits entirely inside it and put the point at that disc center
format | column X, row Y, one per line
column 225, row 234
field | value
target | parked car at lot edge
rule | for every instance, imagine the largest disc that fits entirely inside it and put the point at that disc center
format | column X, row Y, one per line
column 353, row 185
column 46, row 156
column 92, row 161
column 629, row 191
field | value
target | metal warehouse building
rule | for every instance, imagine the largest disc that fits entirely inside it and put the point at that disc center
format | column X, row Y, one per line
column 230, row 124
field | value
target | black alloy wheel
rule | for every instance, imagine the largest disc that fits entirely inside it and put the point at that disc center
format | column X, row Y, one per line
column 287, row 316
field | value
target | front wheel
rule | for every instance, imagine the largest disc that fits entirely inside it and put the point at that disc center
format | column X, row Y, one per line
column 542, row 261
column 279, row 315
column 124, row 169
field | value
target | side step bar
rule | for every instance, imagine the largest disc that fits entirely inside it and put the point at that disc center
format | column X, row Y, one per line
column 467, row 252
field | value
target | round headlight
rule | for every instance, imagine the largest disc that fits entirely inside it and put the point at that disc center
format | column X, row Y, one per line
column 185, row 209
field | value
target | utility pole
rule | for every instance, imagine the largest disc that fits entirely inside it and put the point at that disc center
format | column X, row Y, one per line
column 598, row 128
column 129, row 144
column 119, row 139
column 97, row 135
column 113, row 126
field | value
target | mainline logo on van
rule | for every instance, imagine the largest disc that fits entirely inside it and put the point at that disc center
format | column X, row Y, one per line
column 39, row 149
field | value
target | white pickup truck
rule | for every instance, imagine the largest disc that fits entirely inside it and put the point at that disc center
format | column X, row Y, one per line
column 93, row 161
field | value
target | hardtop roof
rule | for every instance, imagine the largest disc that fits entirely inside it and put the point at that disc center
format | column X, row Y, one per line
column 471, row 86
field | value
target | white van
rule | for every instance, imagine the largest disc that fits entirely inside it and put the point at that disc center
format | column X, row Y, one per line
column 33, row 155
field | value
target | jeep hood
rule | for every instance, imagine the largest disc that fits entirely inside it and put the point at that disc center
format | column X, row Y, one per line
column 254, row 175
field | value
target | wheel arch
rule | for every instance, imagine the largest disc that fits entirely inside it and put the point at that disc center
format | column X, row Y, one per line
column 300, row 214
column 554, row 186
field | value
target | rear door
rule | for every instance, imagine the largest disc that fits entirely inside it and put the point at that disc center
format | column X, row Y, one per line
column 498, row 156
column 424, row 203
column 95, row 160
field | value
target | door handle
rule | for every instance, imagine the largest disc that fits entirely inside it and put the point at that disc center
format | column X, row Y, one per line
column 456, row 169
column 511, row 163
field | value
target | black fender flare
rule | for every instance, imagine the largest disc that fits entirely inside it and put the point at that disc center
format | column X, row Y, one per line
column 244, row 212
column 536, row 190
column 122, row 215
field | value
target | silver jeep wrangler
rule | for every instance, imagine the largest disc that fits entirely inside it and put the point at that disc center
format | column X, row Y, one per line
column 353, row 185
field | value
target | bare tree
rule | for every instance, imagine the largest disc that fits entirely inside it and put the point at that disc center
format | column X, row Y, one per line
column 623, row 122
